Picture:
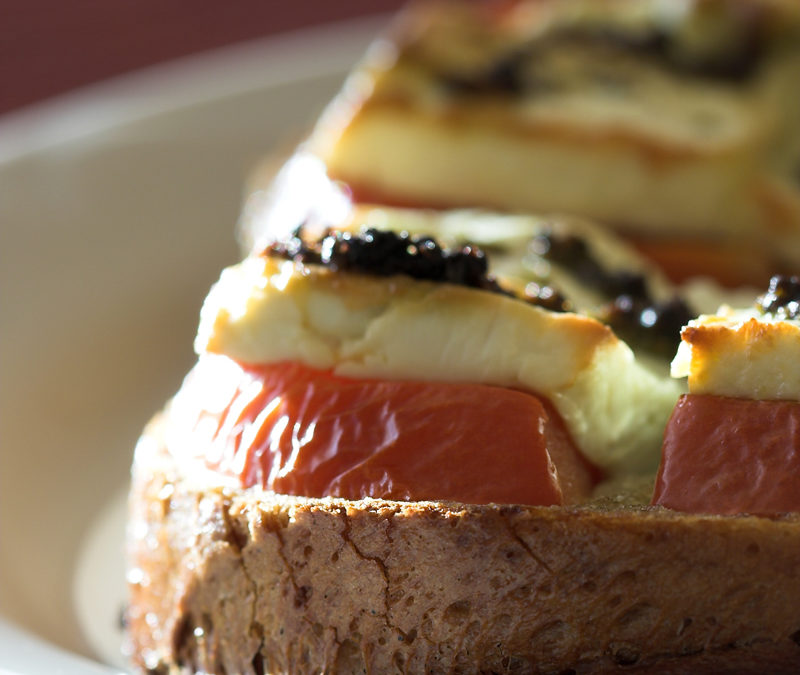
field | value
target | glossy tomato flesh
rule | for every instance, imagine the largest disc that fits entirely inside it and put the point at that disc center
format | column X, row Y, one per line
column 728, row 455
column 301, row 431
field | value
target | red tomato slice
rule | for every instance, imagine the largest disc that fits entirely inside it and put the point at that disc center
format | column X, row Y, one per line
column 301, row 431
column 728, row 455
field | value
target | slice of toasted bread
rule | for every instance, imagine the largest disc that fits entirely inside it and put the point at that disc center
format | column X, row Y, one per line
column 245, row 581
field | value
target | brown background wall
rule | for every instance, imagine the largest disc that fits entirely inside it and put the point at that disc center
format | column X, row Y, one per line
column 48, row 47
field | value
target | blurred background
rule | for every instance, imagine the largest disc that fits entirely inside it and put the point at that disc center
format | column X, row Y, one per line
column 48, row 47
column 128, row 132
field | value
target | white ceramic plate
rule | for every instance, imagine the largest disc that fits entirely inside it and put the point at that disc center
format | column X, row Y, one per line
column 117, row 211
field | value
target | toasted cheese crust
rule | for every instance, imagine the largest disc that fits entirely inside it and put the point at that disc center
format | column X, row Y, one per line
column 742, row 354
column 265, row 311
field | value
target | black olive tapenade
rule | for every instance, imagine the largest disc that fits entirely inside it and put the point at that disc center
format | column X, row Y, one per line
column 387, row 253
column 573, row 253
column 653, row 326
column 782, row 299
column 632, row 312
column 510, row 74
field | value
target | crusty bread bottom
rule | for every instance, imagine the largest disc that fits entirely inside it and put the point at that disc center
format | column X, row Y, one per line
column 226, row 581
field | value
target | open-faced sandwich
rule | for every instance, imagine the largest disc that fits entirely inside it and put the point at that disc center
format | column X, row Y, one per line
column 674, row 122
column 384, row 460
column 445, row 440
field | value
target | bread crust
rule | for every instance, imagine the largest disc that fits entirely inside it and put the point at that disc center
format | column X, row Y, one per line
column 224, row 580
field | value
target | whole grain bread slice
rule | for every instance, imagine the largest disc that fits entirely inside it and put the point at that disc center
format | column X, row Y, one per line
column 224, row 580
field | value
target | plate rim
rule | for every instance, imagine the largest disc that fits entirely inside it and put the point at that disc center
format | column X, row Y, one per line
column 81, row 115
column 186, row 81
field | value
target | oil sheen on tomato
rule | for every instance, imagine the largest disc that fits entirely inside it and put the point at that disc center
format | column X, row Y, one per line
column 301, row 431
column 727, row 455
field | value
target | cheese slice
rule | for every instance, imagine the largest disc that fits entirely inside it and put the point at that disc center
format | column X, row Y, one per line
column 741, row 353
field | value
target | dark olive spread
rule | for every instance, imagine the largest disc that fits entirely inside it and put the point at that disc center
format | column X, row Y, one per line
column 547, row 297
column 734, row 58
column 782, row 299
column 573, row 253
column 387, row 253
column 505, row 76
column 647, row 324
column 632, row 311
